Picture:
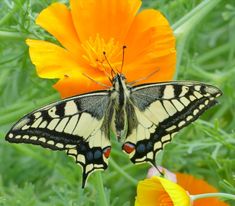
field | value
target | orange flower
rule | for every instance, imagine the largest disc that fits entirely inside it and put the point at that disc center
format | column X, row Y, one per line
column 158, row 191
column 190, row 184
column 198, row 186
column 91, row 27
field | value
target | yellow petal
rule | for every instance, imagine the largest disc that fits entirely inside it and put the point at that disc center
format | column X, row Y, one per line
column 57, row 20
column 158, row 191
column 150, row 192
column 108, row 18
column 150, row 47
column 52, row 61
column 178, row 195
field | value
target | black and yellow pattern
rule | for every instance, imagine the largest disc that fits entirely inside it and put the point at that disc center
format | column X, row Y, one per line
column 161, row 111
column 144, row 118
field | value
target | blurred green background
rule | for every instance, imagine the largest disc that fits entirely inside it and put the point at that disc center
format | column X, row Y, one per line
column 31, row 175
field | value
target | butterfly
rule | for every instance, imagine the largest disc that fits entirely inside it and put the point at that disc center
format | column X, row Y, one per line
column 144, row 119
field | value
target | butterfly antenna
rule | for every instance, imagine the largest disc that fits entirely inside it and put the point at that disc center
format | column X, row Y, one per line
column 112, row 70
column 107, row 74
column 123, row 55
column 104, row 85
column 144, row 78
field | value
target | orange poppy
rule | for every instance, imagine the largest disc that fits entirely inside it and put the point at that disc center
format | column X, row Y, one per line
column 188, row 183
column 158, row 191
column 89, row 28
column 198, row 186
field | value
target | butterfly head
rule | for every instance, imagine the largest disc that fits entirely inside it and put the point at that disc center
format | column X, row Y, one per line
column 118, row 78
column 119, row 82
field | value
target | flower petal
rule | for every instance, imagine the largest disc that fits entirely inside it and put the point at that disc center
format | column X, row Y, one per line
column 57, row 20
column 109, row 19
column 150, row 192
column 52, row 61
column 178, row 195
column 197, row 186
column 150, row 48
column 73, row 86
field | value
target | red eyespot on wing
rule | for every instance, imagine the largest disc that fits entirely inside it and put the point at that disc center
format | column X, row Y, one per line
column 106, row 152
column 128, row 147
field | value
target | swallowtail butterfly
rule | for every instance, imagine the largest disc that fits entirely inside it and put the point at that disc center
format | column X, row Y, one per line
column 143, row 117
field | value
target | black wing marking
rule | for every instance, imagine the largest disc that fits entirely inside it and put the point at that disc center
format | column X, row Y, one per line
column 159, row 111
column 77, row 125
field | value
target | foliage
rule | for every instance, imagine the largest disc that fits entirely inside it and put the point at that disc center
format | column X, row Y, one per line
column 31, row 175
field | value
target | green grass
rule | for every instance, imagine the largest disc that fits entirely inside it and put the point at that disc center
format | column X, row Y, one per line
column 31, row 175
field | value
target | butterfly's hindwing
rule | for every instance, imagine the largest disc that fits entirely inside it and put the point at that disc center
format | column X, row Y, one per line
column 77, row 125
column 160, row 111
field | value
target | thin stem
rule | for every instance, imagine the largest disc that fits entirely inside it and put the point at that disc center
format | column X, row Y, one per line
column 123, row 173
column 180, row 48
column 183, row 28
column 9, row 35
column 214, row 52
column 11, row 117
column 224, row 195
column 102, row 200
column 9, row 14
column 194, row 16
column 209, row 124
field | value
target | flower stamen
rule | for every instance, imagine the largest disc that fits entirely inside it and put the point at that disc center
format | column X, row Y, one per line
column 94, row 53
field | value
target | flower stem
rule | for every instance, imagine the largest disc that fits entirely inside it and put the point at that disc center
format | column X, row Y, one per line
column 25, row 108
column 214, row 52
column 185, row 25
column 189, row 21
column 9, row 14
column 102, row 200
column 123, row 173
column 9, row 35
column 224, row 195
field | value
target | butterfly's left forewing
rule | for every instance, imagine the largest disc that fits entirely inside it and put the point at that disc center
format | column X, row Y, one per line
column 158, row 111
column 77, row 125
